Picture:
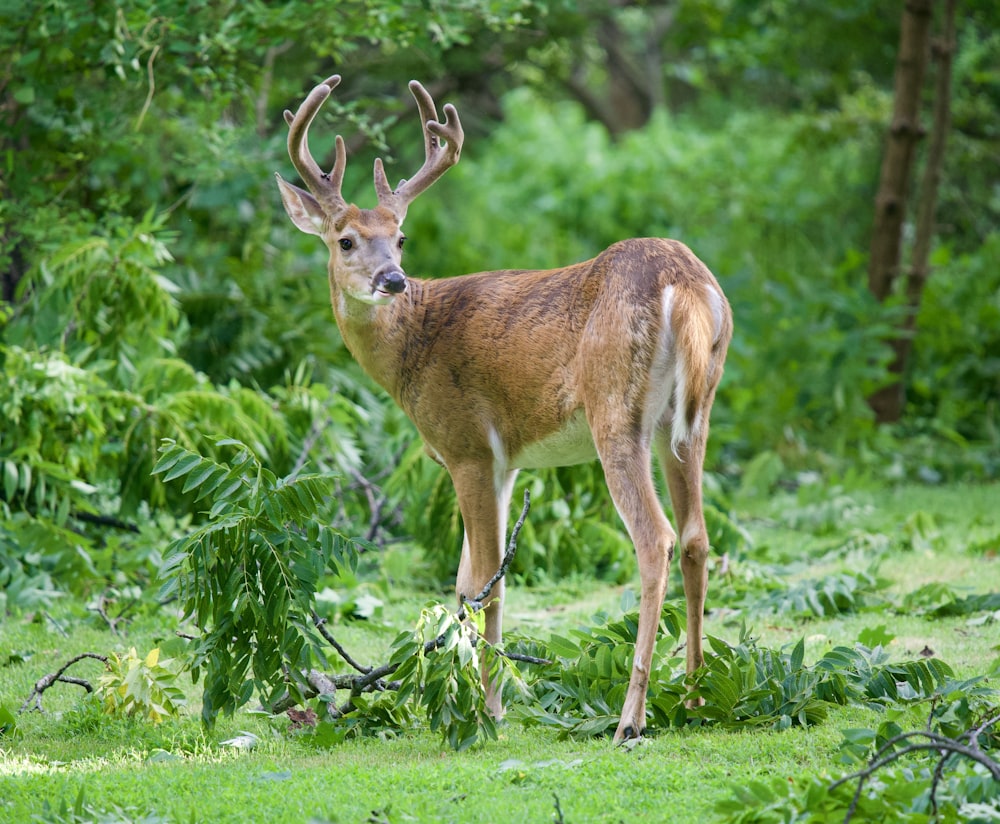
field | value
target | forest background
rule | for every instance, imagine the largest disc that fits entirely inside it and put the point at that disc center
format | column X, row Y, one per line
column 153, row 288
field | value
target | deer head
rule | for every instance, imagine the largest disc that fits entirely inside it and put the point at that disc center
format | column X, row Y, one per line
column 365, row 244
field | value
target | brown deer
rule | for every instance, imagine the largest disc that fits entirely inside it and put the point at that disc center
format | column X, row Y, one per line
column 510, row 370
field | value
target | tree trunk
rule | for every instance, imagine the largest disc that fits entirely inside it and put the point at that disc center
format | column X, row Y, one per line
column 904, row 135
column 888, row 402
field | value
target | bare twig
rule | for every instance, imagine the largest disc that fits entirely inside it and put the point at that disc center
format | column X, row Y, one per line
column 320, row 624
column 101, row 608
column 152, row 87
column 476, row 604
column 376, row 503
column 34, row 700
column 56, row 625
column 525, row 659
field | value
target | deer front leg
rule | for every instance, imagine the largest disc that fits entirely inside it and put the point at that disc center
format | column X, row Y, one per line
column 630, row 482
column 484, row 499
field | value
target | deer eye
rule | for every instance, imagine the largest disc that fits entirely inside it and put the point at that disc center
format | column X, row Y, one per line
column 402, row 240
column 346, row 244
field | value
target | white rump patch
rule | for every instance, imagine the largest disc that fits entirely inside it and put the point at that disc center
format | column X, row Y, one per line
column 662, row 369
column 715, row 305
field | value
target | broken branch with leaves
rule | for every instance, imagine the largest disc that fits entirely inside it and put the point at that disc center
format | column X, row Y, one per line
column 374, row 678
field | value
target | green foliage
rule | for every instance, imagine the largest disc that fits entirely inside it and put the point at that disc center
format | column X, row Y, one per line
column 446, row 680
column 941, row 601
column 900, row 794
column 141, row 686
column 958, row 327
column 90, row 385
column 582, row 692
column 739, row 686
column 101, row 299
column 248, row 575
column 902, row 781
column 830, row 595
column 52, row 443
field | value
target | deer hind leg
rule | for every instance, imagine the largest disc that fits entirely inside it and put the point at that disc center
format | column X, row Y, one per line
column 684, row 479
column 630, row 482
column 484, row 500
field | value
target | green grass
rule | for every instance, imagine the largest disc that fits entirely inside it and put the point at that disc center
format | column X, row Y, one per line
column 181, row 773
column 414, row 778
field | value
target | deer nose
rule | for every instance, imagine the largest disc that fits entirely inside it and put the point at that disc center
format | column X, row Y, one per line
column 392, row 282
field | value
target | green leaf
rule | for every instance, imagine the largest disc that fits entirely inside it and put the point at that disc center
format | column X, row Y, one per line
column 875, row 636
column 184, row 464
column 798, row 655
column 206, row 470
column 25, row 95
column 8, row 723
column 10, row 479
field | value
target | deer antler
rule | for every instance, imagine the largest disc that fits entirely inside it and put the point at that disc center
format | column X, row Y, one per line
column 325, row 187
column 438, row 156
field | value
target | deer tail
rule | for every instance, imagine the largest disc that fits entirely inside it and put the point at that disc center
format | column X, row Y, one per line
column 699, row 321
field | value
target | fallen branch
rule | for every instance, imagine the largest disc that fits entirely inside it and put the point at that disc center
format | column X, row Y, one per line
column 371, row 679
column 42, row 684
column 100, row 606
column 934, row 742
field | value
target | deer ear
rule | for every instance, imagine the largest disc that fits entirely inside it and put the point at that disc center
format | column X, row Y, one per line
column 302, row 207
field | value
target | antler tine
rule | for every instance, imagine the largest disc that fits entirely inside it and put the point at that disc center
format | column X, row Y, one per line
column 442, row 148
column 325, row 187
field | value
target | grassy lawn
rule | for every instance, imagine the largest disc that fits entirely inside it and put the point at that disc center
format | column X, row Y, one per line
column 179, row 773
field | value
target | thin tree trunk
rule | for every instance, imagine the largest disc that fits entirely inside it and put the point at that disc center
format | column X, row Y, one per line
column 890, row 400
column 904, row 135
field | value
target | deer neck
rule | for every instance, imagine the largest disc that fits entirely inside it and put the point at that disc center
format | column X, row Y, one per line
column 379, row 336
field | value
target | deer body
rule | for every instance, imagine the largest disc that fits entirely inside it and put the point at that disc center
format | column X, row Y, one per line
column 459, row 343
column 501, row 371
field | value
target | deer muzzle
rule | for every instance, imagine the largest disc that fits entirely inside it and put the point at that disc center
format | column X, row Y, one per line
column 392, row 282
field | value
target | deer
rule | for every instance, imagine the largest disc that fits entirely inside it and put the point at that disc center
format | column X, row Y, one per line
column 606, row 359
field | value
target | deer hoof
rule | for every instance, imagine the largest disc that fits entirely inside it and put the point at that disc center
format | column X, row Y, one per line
column 627, row 734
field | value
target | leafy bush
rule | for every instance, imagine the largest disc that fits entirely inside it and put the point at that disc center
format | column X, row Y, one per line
column 141, row 686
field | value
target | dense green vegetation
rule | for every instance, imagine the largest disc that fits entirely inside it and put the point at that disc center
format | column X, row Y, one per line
column 156, row 303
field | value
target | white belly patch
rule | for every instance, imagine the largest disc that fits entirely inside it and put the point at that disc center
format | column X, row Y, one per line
column 568, row 446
